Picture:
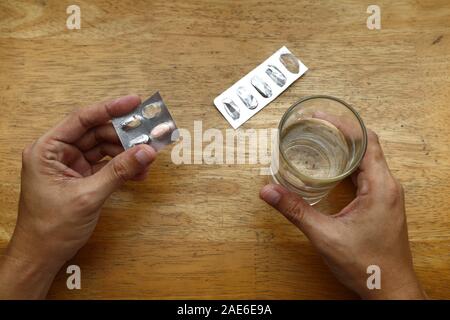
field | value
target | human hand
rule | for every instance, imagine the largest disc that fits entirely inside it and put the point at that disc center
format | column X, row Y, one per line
column 371, row 230
column 65, row 182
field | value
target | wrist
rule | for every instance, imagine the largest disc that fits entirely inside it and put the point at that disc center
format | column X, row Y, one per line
column 405, row 288
column 24, row 279
column 26, row 272
column 31, row 250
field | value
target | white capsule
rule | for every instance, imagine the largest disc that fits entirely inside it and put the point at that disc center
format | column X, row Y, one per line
column 247, row 98
column 290, row 62
column 262, row 87
column 231, row 108
column 276, row 75
column 131, row 122
column 142, row 139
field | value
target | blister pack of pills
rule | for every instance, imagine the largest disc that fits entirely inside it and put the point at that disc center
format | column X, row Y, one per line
column 150, row 123
column 259, row 87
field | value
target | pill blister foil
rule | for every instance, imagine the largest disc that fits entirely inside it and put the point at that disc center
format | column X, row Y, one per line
column 149, row 123
column 259, row 87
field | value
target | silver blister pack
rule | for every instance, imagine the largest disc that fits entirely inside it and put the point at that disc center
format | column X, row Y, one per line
column 259, row 87
column 150, row 123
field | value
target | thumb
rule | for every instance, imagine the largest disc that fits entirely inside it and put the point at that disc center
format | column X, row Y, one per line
column 295, row 209
column 121, row 168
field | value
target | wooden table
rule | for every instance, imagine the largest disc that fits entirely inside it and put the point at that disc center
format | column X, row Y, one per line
column 200, row 231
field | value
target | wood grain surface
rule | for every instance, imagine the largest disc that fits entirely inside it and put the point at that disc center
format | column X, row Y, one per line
column 200, row 231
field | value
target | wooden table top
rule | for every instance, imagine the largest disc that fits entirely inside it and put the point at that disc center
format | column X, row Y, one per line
column 198, row 230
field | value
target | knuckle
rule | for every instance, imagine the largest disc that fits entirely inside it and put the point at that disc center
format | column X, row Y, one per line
column 395, row 186
column 80, row 114
column 374, row 145
column 401, row 188
column 26, row 152
column 375, row 148
column 48, row 148
column 120, row 170
column 373, row 136
column 371, row 181
column 295, row 211
column 27, row 155
column 377, row 153
column 84, row 199
column 76, row 112
column 394, row 191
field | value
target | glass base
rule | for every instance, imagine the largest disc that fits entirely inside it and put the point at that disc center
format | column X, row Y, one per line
column 311, row 197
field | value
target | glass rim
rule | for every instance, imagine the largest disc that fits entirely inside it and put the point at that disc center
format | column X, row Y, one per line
column 348, row 171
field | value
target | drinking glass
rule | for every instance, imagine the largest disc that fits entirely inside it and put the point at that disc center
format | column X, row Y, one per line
column 321, row 140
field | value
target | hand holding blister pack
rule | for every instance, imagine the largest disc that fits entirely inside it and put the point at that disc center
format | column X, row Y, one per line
column 259, row 87
column 150, row 123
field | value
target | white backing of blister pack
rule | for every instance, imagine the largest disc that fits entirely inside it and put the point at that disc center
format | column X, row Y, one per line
column 260, row 71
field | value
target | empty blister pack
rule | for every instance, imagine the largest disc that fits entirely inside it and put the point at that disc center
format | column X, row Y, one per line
column 150, row 123
column 259, row 87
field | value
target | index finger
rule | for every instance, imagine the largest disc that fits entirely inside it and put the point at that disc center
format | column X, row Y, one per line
column 373, row 173
column 77, row 123
column 374, row 161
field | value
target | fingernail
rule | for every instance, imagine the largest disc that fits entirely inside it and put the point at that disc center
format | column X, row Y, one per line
column 270, row 195
column 143, row 157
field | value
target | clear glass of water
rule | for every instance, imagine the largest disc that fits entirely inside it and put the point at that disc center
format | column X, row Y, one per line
column 321, row 140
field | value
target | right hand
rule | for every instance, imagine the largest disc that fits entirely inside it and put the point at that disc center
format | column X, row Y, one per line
column 65, row 182
column 371, row 230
